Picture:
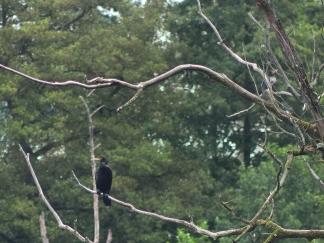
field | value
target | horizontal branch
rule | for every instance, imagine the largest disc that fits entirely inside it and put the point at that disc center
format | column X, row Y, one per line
column 188, row 224
column 219, row 77
column 282, row 233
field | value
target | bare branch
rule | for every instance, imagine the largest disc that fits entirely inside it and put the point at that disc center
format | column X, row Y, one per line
column 181, row 222
column 109, row 236
column 274, row 58
column 255, row 21
column 254, row 66
column 96, row 110
column 314, row 58
column 294, row 63
column 100, row 82
column 315, row 176
column 220, row 77
column 93, row 169
column 280, row 232
column 271, row 196
column 131, row 100
column 42, row 227
column 272, row 209
column 271, row 154
column 241, row 112
column 61, row 225
column 284, row 233
column 233, row 213
column 318, row 74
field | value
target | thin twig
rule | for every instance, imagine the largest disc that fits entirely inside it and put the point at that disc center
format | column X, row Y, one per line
column 254, row 66
column 241, row 112
column 96, row 110
column 233, row 213
column 273, row 56
column 272, row 210
column 314, row 175
column 318, row 74
column 131, row 100
column 271, row 154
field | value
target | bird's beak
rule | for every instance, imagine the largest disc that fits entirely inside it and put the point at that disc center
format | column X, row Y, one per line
column 96, row 158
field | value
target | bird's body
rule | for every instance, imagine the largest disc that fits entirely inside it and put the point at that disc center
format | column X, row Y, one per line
column 104, row 180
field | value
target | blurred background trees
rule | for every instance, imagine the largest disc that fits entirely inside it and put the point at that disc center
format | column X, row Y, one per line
column 173, row 151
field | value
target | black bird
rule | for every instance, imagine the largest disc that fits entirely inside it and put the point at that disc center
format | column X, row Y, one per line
column 104, row 179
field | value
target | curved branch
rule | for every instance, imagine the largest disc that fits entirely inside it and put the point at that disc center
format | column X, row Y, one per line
column 219, row 77
column 239, row 59
column 314, row 175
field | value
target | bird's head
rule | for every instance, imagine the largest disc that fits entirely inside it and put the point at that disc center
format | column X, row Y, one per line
column 102, row 159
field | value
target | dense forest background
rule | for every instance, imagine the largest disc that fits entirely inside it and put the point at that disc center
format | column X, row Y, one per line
column 174, row 150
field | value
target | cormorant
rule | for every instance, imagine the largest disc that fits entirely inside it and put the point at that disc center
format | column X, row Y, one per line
column 104, row 179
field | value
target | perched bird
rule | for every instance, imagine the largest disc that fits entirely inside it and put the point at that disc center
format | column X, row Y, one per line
column 104, row 179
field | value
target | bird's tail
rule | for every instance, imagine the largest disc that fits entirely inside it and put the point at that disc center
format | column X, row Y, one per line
column 106, row 199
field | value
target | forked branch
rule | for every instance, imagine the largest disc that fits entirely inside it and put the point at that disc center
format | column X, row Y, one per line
column 218, row 77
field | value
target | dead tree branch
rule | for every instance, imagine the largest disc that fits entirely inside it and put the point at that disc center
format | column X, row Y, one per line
column 274, row 58
column 42, row 227
column 109, row 236
column 284, row 233
column 294, row 63
column 93, row 170
column 59, row 221
column 188, row 224
column 254, row 66
column 271, row 196
column 314, row 175
column 239, row 113
column 279, row 232
column 219, row 77
column 318, row 74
